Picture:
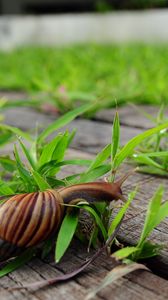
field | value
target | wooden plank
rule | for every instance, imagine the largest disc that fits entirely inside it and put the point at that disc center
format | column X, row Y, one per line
column 138, row 285
column 123, row 289
column 131, row 116
column 90, row 137
column 13, row 95
column 26, row 118
column 93, row 136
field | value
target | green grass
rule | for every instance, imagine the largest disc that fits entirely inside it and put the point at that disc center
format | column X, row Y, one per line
column 125, row 72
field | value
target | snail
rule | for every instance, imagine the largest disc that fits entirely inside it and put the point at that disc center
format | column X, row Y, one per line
column 26, row 220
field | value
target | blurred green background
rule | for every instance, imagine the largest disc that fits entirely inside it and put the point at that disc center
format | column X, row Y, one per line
column 123, row 72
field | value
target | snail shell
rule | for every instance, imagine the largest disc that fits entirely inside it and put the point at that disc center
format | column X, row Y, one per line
column 28, row 219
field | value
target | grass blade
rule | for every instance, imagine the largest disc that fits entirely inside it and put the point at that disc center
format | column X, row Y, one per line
column 5, row 189
column 151, row 215
column 152, row 170
column 53, row 164
column 48, row 150
column 59, row 152
column 95, row 173
column 147, row 250
column 155, row 154
column 121, row 213
column 28, row 155
column 66, row 234
column 113, row 275
column 162, row 213
column 124, row 252
column 100, row 158
column 54, row 151
column 115, row 137
column 146, row 160
column 8, row 164
column 6, row 137
column 16, row 131
column 97, row 219
column 17, row 262
column 134, row 142
column 41, row 182
column 64, row 120
column 24, row 174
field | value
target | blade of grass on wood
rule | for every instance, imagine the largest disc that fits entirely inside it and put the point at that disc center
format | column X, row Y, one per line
column 100, row 158
column 146, row 251
column 17, row 262
column 16, row 131
column 152, row 170
column 66, row 233
column 146, row 160
column 134, row 142
column 95, row 173
column 64, row 120
column 151, row 215
column 97, row 219
column 155, row 154
column 162, row 213
column 121, row 213
column 124, row 252
column 115, row 137
column 113, row 275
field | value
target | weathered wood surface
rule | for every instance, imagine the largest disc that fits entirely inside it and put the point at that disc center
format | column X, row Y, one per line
column 91, row 137
column 140, row 285
column 130, row 115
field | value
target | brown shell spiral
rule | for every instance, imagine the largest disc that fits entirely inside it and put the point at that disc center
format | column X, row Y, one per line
column 28, row 219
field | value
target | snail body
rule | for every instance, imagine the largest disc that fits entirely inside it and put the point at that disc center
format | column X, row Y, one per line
column 92, row 192
column 26, row 220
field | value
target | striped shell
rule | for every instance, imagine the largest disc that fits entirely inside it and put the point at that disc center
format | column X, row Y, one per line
column 28, row 219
